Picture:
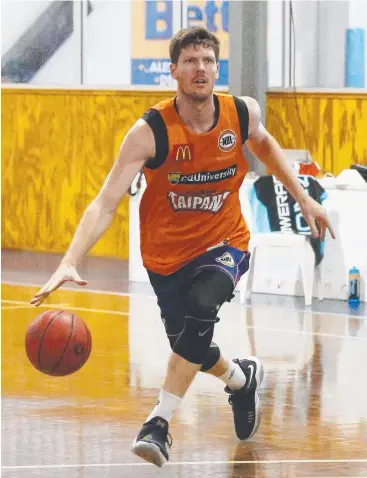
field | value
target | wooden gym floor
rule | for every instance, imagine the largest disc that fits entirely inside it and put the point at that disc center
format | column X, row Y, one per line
column 314, row 396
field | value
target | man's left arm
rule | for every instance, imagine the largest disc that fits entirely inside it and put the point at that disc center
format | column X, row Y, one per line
column 268, row 151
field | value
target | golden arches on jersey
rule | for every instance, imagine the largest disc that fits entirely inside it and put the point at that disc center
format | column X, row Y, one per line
column 183, row 152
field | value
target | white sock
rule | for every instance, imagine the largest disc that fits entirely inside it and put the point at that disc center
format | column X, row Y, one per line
column 167, row 404
column 234, row 377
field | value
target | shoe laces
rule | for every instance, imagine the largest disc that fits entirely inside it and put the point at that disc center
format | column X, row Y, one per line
column 236, row 395
column 169, row 440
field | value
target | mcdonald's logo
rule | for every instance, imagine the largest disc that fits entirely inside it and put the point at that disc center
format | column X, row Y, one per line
column 182, row 152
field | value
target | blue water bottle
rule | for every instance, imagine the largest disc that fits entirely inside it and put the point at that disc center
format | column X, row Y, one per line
column 354, row 286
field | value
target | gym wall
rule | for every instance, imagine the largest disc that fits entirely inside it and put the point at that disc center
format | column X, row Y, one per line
column 57, row 148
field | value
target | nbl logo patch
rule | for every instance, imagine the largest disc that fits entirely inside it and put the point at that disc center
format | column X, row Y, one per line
column 227, row 140
column 226, row 259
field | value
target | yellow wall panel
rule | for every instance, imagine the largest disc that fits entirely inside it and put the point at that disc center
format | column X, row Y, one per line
column 335, row 125
column 57, row 148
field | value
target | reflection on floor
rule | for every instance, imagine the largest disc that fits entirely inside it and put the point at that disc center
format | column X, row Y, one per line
column 314, row 396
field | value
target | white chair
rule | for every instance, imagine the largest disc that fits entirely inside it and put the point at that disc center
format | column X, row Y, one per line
column 305, row 258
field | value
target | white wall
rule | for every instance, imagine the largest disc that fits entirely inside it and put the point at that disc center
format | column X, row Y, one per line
column 108, row 42
column 16, row 17
column 63, row 68
column 319, row 37
column 333, row 23
column 358, row 19
column 305, row 19
column 107, row 46
column 358, row 14
column 275, row 43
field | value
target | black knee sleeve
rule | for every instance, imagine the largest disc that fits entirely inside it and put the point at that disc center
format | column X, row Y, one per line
column 212, row 357
column 194, row 341
column 210, row 289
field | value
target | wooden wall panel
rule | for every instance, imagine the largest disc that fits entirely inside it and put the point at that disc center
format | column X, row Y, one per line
column 335, row 126
column 58, row 145
column 57, row 148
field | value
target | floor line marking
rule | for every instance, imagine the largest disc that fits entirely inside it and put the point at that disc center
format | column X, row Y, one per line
column 24, row 302
column 148, row 296
column 309, row 311
column 304, row 332
column 179, row 463
column 15, row 307
column 64, row 306
column 116, row 312
column 82, row 290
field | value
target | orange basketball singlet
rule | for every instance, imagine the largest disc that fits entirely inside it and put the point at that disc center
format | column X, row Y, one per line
column 191, row 202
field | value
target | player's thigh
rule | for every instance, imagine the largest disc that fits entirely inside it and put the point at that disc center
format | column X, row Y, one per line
column 171, row 292
column 208, row 291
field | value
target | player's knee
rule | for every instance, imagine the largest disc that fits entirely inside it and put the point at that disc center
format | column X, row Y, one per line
column 194, row 341
column 201, row 314
column 208, row 293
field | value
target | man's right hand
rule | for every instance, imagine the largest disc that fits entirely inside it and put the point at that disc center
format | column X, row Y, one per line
column 64, row 273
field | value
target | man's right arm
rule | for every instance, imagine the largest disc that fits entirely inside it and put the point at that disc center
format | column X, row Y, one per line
column 138, row 146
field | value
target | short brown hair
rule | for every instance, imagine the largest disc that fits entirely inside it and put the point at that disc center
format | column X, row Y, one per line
column 192, row 36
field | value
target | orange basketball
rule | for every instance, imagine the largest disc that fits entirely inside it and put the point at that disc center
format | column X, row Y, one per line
column 58, row 342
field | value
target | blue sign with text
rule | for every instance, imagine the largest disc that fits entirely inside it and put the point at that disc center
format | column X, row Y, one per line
column 153, row 29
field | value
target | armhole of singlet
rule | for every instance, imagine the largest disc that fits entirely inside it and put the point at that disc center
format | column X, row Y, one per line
column 243, row 117
column 158, row 126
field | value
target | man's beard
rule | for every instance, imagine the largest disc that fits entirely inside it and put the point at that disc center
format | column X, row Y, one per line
column 197, row 97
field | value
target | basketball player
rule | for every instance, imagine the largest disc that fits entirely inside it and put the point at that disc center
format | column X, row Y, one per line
column 194, row 239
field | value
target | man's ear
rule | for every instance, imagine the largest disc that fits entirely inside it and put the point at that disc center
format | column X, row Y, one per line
column 173, row 68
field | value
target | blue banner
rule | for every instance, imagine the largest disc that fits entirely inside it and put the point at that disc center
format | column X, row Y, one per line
column 153, row 29
column 155, row 71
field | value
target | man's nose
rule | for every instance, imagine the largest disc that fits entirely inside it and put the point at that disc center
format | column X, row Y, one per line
column 200, row 65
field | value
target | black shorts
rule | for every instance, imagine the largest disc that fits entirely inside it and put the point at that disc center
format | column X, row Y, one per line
column 172, row 290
